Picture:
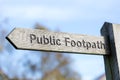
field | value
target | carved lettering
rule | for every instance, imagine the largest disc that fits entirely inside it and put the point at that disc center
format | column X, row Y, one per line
column 68, row 42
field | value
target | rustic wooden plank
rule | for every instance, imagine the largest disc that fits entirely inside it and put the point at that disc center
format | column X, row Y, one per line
column 112, row 61
column 34, row 39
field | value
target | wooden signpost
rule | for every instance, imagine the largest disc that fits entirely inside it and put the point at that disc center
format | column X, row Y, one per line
column 107, row 45
column 34, row 39
column 111, row 32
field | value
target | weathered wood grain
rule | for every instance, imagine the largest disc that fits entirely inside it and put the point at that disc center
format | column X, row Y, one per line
column 34, row 39
column 112, row 61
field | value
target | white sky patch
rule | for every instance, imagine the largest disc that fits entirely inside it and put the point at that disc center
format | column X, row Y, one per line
column 38, row 12
column 59, row 10
column 86, row 64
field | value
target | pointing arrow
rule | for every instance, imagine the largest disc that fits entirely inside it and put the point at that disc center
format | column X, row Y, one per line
column 34, row 39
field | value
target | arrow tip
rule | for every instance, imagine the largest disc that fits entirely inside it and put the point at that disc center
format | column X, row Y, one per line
column 9, row 39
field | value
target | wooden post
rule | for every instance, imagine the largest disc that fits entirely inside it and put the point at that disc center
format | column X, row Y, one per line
column 111, row 32
column 108, row 46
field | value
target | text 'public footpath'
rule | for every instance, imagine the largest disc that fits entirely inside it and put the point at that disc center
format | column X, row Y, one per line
column 66, row 41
